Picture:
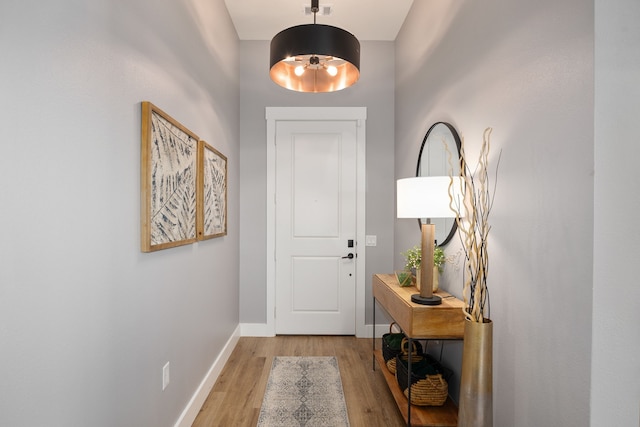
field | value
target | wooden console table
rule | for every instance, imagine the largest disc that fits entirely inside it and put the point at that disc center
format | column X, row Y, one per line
column 444, row 321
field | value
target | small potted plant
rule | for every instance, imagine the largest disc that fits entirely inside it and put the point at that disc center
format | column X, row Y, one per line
column 412, row 264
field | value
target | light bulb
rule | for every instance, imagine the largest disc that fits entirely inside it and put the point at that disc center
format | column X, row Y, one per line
column 299, row 70
column 332, row 70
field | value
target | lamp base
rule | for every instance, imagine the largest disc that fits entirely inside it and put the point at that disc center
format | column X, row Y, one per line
column 432, row 300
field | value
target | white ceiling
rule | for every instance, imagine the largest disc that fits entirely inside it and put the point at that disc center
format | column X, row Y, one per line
column 365, row 19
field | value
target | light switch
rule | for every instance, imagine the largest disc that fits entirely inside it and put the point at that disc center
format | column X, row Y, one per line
column 371, row 240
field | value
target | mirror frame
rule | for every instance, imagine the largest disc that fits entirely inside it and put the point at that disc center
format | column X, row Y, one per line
column 458, row 142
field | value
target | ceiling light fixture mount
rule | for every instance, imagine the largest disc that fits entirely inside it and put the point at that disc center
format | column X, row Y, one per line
column 314, row 57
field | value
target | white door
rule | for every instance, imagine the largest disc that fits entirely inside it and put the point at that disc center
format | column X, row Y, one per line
column 315, row 227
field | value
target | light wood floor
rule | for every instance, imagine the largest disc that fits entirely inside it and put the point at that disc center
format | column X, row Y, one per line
column 236, row 397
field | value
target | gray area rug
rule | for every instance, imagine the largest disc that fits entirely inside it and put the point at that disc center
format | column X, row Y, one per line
column 304, row 392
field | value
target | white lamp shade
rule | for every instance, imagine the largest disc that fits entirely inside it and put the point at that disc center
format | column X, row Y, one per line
column 427, row 197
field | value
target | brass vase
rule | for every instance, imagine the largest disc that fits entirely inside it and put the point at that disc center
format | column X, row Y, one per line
column 436, row 281
column 476, row 381
column 415, row 277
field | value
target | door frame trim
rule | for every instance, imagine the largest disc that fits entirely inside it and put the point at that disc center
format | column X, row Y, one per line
column 359, row 115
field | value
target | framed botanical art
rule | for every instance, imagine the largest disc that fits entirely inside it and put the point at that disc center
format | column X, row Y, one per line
column 168, row 181
column 212, row 192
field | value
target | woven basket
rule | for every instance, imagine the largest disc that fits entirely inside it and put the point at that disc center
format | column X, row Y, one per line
column 429, row 385
column 392, row 344
column 391, row 347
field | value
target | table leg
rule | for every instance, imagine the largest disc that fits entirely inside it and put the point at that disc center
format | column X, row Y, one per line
column 409, row 350
column 373, row 362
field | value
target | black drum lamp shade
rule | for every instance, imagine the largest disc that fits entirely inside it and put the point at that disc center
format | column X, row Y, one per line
column 314, row 57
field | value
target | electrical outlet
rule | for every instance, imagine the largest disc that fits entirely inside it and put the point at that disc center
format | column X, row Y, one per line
column 165, row 376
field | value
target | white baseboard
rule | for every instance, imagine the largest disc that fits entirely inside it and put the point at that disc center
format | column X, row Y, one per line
column 263, row 330
column 192, row 409
column 380, row 330
column 256, row 330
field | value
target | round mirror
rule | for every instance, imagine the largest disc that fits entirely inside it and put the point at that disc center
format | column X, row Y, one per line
column 433, row 160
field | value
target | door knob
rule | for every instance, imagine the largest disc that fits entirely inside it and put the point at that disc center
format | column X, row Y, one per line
column 350, row 256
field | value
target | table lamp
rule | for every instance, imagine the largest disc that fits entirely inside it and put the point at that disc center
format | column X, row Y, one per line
column 426, row 197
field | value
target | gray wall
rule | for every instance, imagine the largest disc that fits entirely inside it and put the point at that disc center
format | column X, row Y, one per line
column 526, row 70
column 86, row 320
column 375, row 91
column 616, row 340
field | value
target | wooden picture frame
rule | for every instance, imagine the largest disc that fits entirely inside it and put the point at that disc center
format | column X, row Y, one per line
column 168, row 181
column 212, row 192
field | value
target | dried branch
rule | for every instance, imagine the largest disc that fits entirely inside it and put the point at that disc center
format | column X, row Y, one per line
column 473, row 228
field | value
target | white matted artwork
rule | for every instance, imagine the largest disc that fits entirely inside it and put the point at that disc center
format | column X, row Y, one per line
column 168, row 181
column 212, row 193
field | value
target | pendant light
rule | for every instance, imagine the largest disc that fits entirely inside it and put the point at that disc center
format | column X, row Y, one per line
column 315, row 57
